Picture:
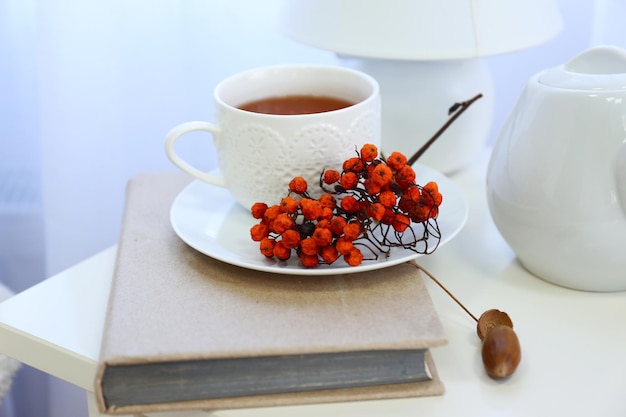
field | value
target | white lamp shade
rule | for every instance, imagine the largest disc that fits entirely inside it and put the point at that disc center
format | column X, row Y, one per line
column 421, row 29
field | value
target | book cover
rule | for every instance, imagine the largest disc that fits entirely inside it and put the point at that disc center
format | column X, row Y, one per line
column 233, row 337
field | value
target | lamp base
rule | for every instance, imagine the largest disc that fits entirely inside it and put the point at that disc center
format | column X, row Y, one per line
column 416, row 96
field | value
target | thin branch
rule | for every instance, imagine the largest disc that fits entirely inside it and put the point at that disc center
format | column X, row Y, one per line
column 457, row 109
column 431, row 276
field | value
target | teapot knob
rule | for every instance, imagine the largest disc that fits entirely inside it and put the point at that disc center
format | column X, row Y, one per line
column 601, row 68
column 620, row 173
column 599, row 60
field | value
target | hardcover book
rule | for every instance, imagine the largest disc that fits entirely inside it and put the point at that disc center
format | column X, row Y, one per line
column 184, row 331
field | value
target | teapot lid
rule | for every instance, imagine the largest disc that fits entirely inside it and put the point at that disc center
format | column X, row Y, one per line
column 600, row 69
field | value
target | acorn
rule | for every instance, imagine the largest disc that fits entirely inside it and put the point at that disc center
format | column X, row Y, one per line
column 501, row 352
column 491, row 319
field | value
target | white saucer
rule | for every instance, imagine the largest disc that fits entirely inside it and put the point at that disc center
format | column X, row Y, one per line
column 209, row 220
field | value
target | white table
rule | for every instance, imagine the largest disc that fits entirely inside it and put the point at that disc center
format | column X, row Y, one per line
column 573, row 342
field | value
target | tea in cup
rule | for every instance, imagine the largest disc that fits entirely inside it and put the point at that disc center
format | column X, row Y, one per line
column 278, row 122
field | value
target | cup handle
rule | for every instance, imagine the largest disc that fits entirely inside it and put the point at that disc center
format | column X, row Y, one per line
column 175, row 134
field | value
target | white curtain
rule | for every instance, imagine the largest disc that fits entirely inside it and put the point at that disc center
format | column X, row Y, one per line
column 88, row 90
column 114, row 77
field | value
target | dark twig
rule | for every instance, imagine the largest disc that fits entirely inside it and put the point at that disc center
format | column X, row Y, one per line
column 457, row 109
column 432, row 277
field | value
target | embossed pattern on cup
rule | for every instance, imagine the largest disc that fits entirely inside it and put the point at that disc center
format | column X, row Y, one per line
column 260, row 161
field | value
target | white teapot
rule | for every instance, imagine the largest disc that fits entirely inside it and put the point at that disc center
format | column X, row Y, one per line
column 556, row 181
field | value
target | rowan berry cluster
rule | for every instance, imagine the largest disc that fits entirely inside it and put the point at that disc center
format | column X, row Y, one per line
column 371, row 206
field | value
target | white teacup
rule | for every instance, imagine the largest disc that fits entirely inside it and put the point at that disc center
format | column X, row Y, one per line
column 259, row 153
